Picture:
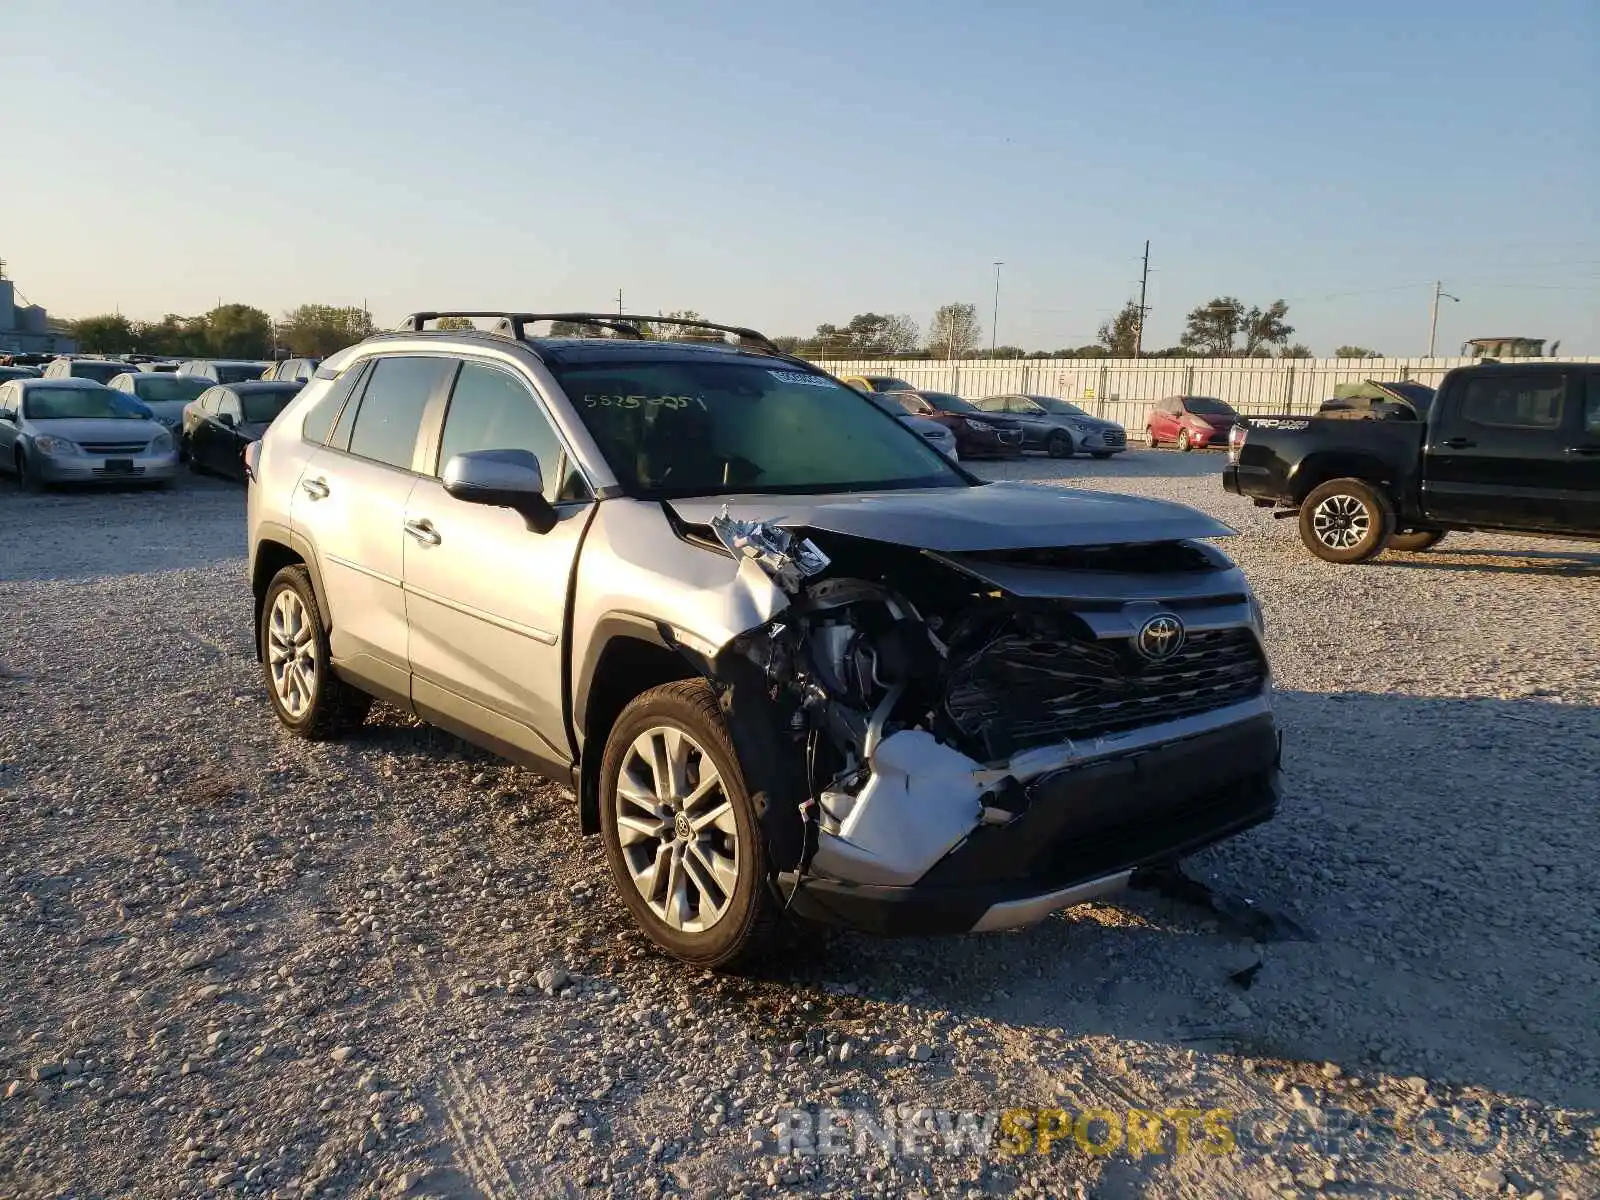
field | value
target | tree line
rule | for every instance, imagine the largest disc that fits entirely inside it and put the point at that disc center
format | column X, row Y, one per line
column 227, row 331
column 1221, row 328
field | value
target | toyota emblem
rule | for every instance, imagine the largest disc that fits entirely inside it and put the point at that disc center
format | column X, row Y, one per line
column 1160, row 638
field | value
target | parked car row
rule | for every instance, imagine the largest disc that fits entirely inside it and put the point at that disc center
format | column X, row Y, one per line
column 1001, row 426
column 136, row 429
column 217, row 370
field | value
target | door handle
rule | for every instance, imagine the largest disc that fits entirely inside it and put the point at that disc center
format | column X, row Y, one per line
column 317, row 489
column 424, row 532
column 1586, row 448
column 1460, row 443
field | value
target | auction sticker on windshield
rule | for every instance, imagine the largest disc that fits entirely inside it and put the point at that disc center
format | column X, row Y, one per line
column 801, row 378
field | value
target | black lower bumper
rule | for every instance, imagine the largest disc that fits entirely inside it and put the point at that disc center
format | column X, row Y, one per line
column 1230, row 479
column 1081, row 824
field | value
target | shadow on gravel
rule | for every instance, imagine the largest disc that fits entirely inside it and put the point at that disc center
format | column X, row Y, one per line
column 1573, row 564
column 1440, row 849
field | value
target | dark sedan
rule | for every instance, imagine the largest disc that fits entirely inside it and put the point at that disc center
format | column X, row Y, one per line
column 978, row 434
column 223, row 420
column 1059, row 427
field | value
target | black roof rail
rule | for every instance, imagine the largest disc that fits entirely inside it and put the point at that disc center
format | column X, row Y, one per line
column 515, row 325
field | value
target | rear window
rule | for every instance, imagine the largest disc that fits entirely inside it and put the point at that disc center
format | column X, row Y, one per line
column 161, row 389
column 677, row 428
column 100, row 372
column 264, row 406
column 238, row 372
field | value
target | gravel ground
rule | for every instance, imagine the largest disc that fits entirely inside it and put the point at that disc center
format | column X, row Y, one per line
column 235, row 962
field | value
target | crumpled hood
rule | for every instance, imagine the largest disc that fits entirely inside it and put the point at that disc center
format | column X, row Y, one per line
column 996, row 516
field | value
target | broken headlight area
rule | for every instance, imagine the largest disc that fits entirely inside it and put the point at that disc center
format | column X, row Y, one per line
column 899, row 702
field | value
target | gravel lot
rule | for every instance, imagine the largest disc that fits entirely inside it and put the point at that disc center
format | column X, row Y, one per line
column 235, row 962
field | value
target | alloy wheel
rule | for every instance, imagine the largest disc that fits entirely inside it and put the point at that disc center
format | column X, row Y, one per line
column 1341, row 522
column 292, row 653
column 676, row 828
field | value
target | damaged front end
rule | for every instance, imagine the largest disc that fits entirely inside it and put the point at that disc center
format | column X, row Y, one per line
column 951, row 740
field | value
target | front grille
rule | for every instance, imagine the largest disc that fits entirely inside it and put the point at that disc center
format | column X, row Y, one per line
column 1020, row 691
column 113, row 449
column 1114, row 437
column 1013, row 436
column 120, row 474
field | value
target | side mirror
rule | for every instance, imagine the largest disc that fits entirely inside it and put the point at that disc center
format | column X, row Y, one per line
column 9, row 415
column 226, row 419
column 501, row 479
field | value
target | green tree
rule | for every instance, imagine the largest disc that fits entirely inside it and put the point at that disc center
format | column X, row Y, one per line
column 238, row 331
column 865, row 335
column 108, row 333
column 174, row 336
column 1215, row 330
column 955, row 331
column 1355, row 352
column 456, row 324
column 1002, row 352
column 1120, row 335
column 318, row 330
column 1298, row 350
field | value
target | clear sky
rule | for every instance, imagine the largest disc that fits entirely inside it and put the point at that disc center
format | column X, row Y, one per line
column 786, row 164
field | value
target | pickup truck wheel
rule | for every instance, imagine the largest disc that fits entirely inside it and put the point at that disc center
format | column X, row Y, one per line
column 1345, row 521
column 680, row 833
column 1184, row 443
column 1059, row 445
column 1417, row 540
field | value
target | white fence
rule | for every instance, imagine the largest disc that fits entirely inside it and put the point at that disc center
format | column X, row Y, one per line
column 1123, row 389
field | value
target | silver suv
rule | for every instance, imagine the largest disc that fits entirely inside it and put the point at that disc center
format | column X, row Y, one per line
column 788, row 656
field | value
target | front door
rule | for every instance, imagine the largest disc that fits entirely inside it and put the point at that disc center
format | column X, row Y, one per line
column 351, row 504
column 1497, row 452
column 485, row 595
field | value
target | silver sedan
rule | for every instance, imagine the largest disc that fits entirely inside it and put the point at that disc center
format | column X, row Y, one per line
column 79, row 431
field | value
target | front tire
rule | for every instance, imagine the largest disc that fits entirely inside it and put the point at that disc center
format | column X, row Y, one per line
column 1059, row 445
column 1416, row 541
column 1100, row 453
column 1150, row 437
column 1184, row 443
column 28, row 478
column 1346, row 521
column 681, row 837
column 309, row 699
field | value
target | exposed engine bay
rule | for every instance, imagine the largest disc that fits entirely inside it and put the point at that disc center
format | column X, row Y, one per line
column 916, row 694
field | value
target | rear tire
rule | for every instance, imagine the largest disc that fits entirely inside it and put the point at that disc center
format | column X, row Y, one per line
column 1059, row 445
column 309, row 699
column 1416, row 541
column 672, row 786
column 1346, row 521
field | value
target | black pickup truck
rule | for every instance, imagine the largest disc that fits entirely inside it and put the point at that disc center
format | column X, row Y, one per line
column 1510, row 447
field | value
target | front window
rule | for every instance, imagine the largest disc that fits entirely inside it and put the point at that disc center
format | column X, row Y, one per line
column 100, row 372
column 75, row 404
column 163, row 389
column 261, row 408
column 1061, row 408
column 1205, row 406
column 696, row 428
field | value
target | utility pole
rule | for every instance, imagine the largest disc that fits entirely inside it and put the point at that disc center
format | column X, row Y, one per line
column 1433, row 312
column 619, row 302
column 994, row 321
column 1144, row 281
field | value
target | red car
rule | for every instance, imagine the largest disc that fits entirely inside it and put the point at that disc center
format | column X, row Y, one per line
column 1190, row 422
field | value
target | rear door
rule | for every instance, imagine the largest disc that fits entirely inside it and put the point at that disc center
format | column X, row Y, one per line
column 1497, row 452
column 350, row 503
column 1583, row 461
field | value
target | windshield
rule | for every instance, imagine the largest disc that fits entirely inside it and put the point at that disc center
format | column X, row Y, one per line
column 1205, row 406
column 263, row 407
column 682, row 428
column 887, row 403
column 69, row 404
column 949, row 402
column 1061, row 408
column 239, row 372
column 101, row 372
column 17, row 373
column 160, row 389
